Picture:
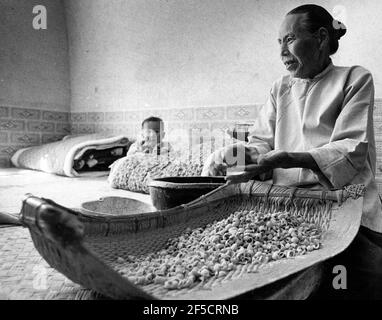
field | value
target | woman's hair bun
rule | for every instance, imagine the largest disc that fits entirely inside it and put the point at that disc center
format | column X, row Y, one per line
column 339, row 29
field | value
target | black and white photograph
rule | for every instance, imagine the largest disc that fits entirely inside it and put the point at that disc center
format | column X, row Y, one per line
column 192, row 155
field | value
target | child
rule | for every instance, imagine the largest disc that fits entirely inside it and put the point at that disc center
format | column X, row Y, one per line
column 151, row 138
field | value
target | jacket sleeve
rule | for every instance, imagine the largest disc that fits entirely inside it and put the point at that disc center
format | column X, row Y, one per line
column 262, row 134
column 345, row 155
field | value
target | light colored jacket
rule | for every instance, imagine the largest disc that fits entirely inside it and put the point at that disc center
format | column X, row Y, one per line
column 331, row 117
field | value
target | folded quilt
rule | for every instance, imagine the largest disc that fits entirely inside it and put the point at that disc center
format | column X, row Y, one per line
column 59, row 157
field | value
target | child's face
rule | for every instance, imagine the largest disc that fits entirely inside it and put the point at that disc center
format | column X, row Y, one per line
column 152, row 131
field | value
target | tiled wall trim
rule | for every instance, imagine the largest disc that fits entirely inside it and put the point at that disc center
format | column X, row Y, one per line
column 21, row 127
column 128, row 122
column 202, row 120
column 24, row 127
column 208, row 118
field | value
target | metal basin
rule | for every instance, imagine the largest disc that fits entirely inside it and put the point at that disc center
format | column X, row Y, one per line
column 169, row 192
column 115, row 206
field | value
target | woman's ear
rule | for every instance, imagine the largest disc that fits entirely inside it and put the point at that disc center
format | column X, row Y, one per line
column 323, row 38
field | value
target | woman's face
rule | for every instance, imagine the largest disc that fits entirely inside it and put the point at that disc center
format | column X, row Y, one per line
column 300, row 50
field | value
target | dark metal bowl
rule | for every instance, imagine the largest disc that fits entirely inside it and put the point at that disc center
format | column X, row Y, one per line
column 169, row 192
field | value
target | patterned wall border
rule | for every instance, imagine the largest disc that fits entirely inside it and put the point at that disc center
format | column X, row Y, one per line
column 21, row 127
column 128, row 122
column 199, row 119
column 206, row 117
column 24, row 127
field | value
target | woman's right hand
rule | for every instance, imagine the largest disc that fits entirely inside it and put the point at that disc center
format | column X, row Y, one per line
column 230, row 156
column 214, row 165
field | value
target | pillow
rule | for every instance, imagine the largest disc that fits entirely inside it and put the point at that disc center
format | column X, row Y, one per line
column 133, row 172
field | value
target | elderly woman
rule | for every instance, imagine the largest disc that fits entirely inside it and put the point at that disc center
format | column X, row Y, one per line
column 316, row 129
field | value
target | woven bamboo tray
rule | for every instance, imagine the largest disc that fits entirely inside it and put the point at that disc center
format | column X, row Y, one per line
column 86, row 249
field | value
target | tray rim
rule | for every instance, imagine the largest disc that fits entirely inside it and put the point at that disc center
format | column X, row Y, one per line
column 158, row 183
column 245, row 188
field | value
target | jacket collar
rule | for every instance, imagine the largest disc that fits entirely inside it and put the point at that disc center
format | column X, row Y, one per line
column 316, row 77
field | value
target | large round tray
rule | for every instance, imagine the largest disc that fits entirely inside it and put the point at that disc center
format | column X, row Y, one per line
column 87, row 252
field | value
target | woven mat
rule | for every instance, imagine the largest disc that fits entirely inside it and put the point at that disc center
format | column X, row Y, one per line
column 25, row 275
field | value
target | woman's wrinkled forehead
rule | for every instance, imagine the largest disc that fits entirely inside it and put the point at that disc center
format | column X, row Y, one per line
column 293, row 24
